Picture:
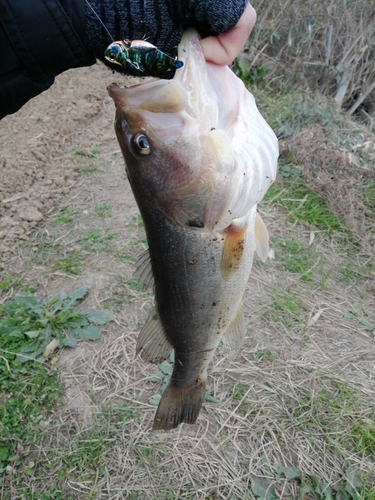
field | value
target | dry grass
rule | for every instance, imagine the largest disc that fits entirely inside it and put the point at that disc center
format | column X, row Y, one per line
column 275, row 394
column 299, row 394
column 326, row 45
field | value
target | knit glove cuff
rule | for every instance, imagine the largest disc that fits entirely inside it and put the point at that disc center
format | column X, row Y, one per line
column 160, row 22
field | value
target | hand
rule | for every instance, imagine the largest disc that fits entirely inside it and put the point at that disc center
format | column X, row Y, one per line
column 224, row 48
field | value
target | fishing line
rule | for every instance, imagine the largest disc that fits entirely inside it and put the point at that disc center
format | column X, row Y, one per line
column 101, row 22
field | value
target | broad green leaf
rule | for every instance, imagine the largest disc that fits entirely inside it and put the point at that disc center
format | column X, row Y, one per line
column 30, row 356
column 353, row 481
column 305, row 488
column 157, row 377
column 14, row 333
column 289, row 472
column 76, row 321
column 76, row 296
column 69, row 340
column 4, row 452
column 263, row 488
column 25, row 298
column 366, row 325
column 89, row 332
column 33, row 334
column 29, row 348
column 210, row 399
column 100, row 317
column 166, row 367
column 154, row 400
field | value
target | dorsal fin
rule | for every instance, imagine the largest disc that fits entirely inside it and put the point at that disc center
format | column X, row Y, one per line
column 152, row 342
column 261, row 238
column 143, row 269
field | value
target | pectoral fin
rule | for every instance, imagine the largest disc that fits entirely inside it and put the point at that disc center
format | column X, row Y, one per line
column 233, row 248
column 144, row 270
column 152, row 342
column 235, row 334
column 261, row 238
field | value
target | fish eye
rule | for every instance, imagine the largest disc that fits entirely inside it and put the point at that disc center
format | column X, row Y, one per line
column 113, row 53
column 141, row 144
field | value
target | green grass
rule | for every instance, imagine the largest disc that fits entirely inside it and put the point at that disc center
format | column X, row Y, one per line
column 94, row 241
column 103, row 210
column 296, row 258
column 331, row 412
column 301, row 204
column 8, row 283
column 286, row 308
column 65, row 216
column 30, row 330
column 28, row 394
column 71, row 455
column 88, row 163
column 72, row 263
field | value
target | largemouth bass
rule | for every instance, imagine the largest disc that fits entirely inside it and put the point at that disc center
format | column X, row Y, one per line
column 199, row 157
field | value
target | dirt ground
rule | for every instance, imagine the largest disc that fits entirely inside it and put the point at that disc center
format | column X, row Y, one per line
column 42, row 144
column 60, row 151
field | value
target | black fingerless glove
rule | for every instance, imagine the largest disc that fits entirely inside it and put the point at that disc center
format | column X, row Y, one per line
column 160, row 22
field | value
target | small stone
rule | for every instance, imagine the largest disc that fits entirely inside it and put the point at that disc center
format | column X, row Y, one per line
column 31, row 215
column 8, row 221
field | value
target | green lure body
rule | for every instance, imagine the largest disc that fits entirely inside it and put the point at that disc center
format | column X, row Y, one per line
column 141, row 57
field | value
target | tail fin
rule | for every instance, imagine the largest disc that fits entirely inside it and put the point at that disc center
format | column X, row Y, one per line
column 179, row 404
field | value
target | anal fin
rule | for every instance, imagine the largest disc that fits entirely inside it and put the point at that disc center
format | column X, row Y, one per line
column 152, row 343
column 179, row 405
column 235, row 334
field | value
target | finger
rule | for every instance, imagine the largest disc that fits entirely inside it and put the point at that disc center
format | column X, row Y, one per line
column 224, row 48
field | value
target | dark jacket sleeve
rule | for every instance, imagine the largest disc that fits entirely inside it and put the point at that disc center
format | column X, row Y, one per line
column 39, row 39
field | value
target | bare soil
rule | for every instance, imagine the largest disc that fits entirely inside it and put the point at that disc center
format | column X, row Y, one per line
column 42, row 145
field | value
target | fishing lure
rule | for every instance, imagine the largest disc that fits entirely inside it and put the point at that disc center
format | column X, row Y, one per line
column 138, row 56
column 141, row 56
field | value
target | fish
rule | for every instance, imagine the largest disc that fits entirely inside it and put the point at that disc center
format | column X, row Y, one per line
column 199, row 157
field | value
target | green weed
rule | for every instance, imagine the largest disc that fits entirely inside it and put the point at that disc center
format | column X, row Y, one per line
column 65, row 216
column 302, row 204
column 355, row 312
column 351, row 272
column 9, row 282
column 286, row 308
column 32, row 330
column 70, row 264
column 238, row 392
column 103, row 210
column 95, row 241
column 27, row 397
column 296, row 258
